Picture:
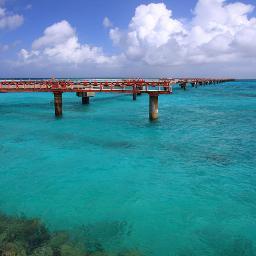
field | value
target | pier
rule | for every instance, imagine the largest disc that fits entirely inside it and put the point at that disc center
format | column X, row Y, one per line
column 86, row 89
column 184, row 83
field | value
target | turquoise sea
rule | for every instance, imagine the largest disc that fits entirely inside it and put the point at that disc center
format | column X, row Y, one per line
column 184, row 185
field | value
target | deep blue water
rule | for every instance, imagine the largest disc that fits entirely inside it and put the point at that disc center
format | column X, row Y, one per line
column 184, row 185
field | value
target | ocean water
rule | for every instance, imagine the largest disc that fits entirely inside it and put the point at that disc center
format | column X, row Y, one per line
column 184, row 185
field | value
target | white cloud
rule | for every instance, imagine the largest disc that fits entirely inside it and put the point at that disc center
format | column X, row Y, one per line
column 107, row 23
column 220, row 35
column 10, row 21
column 55, row 34
column 150, row 31
column 218, row 32
column 60, row 44
column 217, row 26
column 26, row 55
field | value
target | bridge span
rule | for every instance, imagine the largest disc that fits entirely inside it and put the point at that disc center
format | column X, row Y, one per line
column 86, row 89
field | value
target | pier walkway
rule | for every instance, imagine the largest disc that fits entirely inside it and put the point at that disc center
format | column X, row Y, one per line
column 86, row 89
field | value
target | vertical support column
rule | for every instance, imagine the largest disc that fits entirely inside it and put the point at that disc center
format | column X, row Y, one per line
column 85, row 100
column 140, row 89
column 85, row 97
column 134, row 95
column 183, row 86
column 58, row 103
column 153, row 106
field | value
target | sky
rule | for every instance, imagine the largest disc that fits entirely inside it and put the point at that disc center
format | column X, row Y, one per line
column 135, row 38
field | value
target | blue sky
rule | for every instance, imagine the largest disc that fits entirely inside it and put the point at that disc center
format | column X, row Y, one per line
column 146, row 38
column 85, row 15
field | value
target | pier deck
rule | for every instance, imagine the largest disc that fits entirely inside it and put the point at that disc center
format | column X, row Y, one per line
column 124, row 86
column 86, row 89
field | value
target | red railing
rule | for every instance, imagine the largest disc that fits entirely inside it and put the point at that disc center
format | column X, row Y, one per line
column 122, row 86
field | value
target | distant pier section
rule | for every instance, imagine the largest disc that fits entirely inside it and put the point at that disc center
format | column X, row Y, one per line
column 86, row 89
column 195, row 82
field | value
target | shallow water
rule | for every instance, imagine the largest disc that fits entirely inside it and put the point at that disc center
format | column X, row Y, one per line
column 184, row 185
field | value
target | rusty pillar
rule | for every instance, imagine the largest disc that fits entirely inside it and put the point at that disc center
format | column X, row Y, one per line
column 85, row 100
column 153, row 106
column 58, row 103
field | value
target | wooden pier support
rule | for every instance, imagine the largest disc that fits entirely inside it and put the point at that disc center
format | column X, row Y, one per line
column 58, row 103
column 85, row 100
column 153, row 106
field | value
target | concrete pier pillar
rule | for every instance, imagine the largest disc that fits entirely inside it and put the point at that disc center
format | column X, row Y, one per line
column 134, row 94
column 85, row 97
column 85, row 100
column 58, row 103
column 183, row 86
column 153, row 107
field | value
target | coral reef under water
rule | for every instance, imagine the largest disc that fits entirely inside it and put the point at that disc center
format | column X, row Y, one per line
column 21, row 236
